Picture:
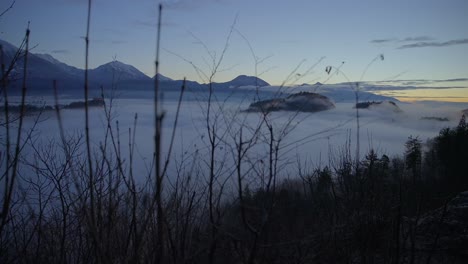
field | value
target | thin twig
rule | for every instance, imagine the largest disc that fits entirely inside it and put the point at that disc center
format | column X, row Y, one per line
column 157, row 149
column 8, row 8
column 10, row 185
column 174, row 128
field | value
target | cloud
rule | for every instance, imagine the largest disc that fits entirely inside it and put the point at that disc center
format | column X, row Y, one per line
column 407, row 86
column 416, row 84
column 407, row 39
column 379, row 41
column 428, row 80
column 429, row 97
column 419, row 38
column 327, row 134
column 119, row 42
column 60, row 51
column 424, row 44
column 454, row 80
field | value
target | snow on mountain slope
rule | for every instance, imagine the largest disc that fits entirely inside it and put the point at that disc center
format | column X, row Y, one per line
column 241, row 81
column 40, row 66
column 8, row 49
column 48, row 58
column 163, row 78
column 73, row 71
column 117, row 71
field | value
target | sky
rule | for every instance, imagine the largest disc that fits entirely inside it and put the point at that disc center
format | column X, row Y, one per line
column 424, row 43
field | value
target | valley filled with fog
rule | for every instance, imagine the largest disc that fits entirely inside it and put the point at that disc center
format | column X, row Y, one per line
column 316, row 139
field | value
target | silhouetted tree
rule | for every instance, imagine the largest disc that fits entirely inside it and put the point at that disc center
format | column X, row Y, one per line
column 451, row 149
column 413, row 157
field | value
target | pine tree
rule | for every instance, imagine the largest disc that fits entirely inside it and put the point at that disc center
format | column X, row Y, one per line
column 413, row 157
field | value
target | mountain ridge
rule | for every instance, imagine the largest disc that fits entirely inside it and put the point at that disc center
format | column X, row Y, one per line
column 43, row 68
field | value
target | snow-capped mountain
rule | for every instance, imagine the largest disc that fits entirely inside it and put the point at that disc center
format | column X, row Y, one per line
column 43, row 68
column 116, row 71
column 51, row 59
column 163, row 78
column 8, row 49
column 37, row 67
column 73, row 71
column 242, row 80
column 46, row 67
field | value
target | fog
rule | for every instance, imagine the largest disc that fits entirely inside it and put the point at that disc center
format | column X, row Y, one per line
column 312, row 138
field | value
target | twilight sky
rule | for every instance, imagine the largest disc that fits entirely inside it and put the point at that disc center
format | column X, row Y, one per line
column 424, row 42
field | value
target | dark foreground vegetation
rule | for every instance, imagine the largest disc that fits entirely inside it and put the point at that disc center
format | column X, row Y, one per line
column 382, row 210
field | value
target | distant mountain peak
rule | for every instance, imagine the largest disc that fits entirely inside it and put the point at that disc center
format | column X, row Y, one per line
column 72, row 71
column 118, row 69
column 163, row 78
column 8, row 47
column 47, row 57
column 118, row 65
column 245, row 80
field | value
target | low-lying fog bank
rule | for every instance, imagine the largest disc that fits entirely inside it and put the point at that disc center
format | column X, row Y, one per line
column 312, row 137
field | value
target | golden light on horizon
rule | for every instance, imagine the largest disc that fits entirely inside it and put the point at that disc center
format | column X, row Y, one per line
column 445, row 95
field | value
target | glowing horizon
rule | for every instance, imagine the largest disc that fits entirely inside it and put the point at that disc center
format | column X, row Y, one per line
column 459, row 95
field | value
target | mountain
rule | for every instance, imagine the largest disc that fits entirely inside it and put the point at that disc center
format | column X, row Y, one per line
column 43, row 68
column 116, row 71
column 9, row 52
column 72, row 71
column 163, row 78
column 242, row 80
column 37, row 68
column 8, row 49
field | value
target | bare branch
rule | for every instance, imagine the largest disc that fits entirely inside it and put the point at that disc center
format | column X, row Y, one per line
column 8, row 8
